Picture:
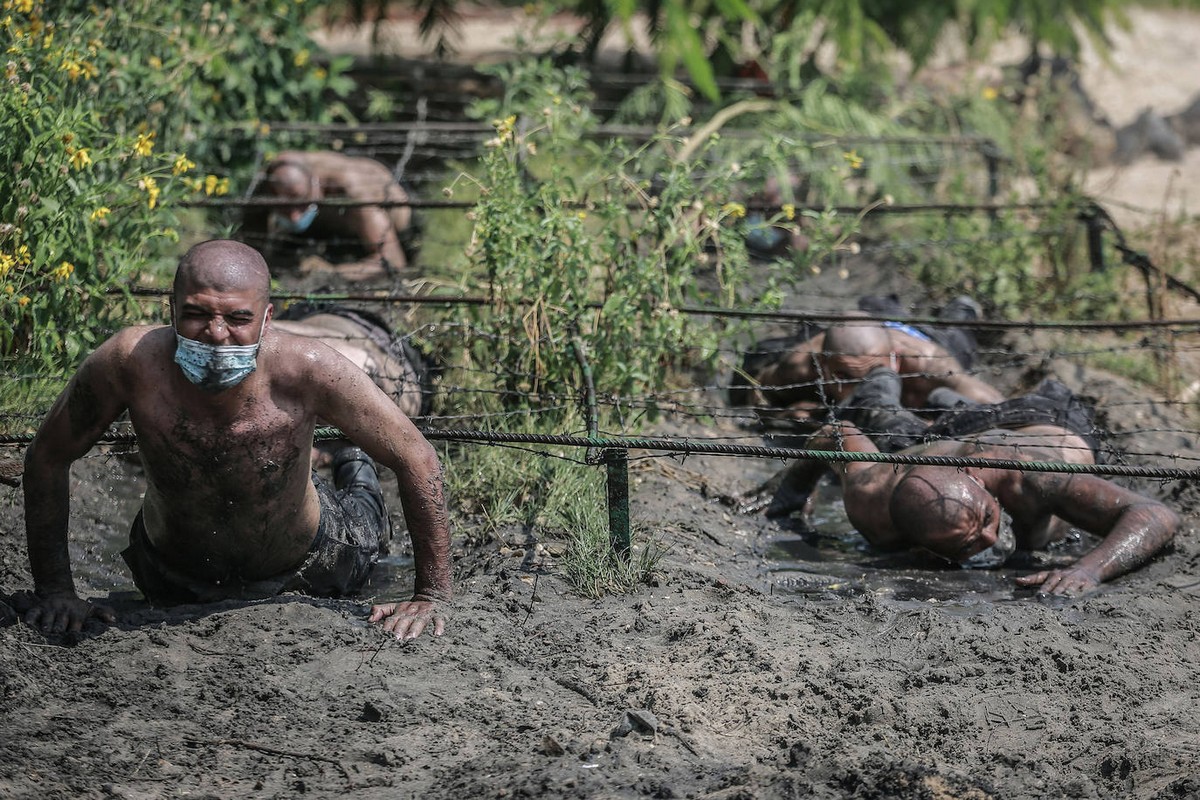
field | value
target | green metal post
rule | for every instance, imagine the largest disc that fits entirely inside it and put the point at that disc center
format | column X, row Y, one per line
column 617, row 462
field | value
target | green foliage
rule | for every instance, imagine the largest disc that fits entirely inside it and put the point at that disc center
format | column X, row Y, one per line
column 502, row 488
column 787, row 36
column 591, row 251
column 108, row 118
column 510, row 493
column 591, row 564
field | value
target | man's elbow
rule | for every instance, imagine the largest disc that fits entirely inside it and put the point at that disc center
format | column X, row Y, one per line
column 422, row 459
column 1170, row 522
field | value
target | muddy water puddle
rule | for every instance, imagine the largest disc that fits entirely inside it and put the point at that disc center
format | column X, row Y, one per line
column 828, row 557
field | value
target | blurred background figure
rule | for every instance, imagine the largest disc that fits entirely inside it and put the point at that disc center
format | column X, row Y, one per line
column 358, row 243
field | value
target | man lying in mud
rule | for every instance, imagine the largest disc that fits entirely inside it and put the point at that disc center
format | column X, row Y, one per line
column 959, row 513
column 822, row 367
column 224, row 408
column 977, row 516
column 401, row 371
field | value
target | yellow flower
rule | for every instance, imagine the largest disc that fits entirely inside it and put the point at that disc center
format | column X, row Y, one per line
column 100, row 213
column 150, row 187
column 222, row 187
column 144, row 145
column 7, row 262
column 504, row 127
column 23, row 255
column 23, row 300
column 23, row 6
column 155, row 62
column 72, row 67
column 853, row 159
column 79, row 159
column 735, row 210
column 789, row 211
column 210, row 184
column 301, row 57
column 581, row 214
column 990, row 93
column 320, row 74
column 62, row 271
column 182, row 165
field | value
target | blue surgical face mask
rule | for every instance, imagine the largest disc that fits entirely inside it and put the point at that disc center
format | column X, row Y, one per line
column 298, row 225
column 217, row 367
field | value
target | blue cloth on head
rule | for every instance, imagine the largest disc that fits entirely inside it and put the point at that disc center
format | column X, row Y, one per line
column 909, row 329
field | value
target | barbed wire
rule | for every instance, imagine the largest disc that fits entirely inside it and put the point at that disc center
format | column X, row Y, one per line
column 699, row 447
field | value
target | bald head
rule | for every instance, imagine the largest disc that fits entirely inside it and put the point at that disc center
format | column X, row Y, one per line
column 944, row 510
column 852, row 350
column 291, row 180
column 223, row 265
column 858, row 339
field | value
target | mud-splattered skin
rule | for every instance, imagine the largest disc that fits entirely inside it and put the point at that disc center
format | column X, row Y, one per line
column 228, row 491
column 1043, row 505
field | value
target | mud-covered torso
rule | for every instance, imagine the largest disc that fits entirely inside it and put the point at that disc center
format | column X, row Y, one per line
column 229, row 489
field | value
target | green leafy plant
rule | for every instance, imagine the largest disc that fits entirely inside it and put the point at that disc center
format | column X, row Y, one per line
column 594, row 250
column 109, row 117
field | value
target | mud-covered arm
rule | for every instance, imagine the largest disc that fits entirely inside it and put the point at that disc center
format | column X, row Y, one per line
column 1134, row 528
column 369, row 418
column 80, row 415
column 794, row 486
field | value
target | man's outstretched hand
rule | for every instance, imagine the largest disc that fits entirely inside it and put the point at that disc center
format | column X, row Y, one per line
column 1068, row 582
column 64, row 612
column 407, row 620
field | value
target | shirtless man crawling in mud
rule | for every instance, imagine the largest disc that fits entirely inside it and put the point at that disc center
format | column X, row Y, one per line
column 824, row 369
column 963, row 513
column 377, row 234
column 224, row 409
column 851, row 350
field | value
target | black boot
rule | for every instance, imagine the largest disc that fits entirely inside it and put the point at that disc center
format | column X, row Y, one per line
column 875, row 409
column 353, row 468
column 357, row 481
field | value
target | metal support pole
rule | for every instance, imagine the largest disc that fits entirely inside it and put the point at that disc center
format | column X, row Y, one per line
column 617, row 462
column 1095, row 238
column 993, row 172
